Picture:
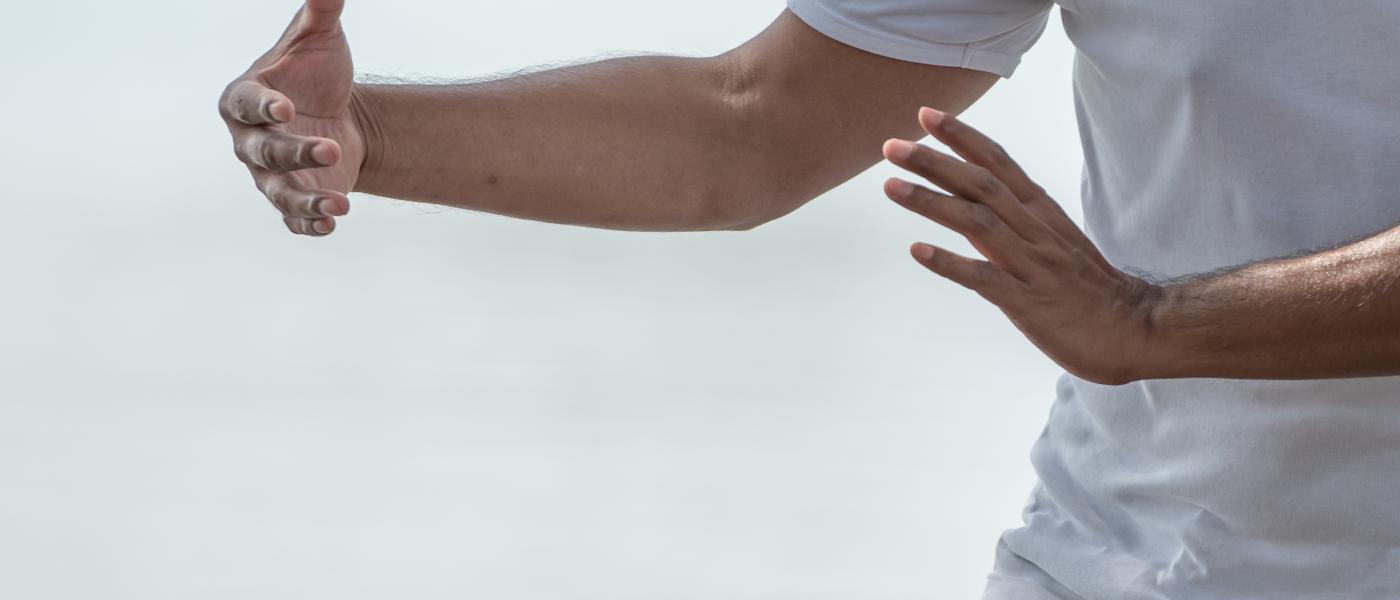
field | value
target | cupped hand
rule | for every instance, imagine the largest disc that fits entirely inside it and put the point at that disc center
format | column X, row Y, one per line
column 293, row 124
column 1040, row 269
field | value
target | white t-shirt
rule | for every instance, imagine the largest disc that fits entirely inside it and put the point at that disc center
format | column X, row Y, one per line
column 1215, row 133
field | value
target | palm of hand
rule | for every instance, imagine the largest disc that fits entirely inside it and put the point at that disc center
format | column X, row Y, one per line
column 292, row 124
column 316, row 74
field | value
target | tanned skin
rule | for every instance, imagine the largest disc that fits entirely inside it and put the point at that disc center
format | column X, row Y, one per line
column 647, row 143
column 736, row 140
column 1326, row 315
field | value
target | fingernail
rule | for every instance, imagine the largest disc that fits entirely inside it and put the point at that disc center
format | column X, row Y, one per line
column 932, row 116
column 923, row 251
column 320, row 226
column 900, row 187
column 318, row 206
column 899, row 149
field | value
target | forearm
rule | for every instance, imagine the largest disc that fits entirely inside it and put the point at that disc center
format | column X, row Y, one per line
column 650, row 143
column 1331, row 314
column 655, row 143
column 633, row 143
column 1325, row 315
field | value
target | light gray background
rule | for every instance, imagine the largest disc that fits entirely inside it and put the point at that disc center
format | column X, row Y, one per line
column 439, row 404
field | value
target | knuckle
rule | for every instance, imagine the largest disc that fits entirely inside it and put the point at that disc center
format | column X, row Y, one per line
column 924, row 159
column 277, row 193
column 952, row 125
column 1000, row 157
column 303, row 153
column 246, row 150
column 980, row 219
column 224, row 102
column 265, row 154
column 1038, row 254
column 983, row 275
column 238, row 103
column 1084, row 265
column 260, row 110
column 984, row 182
column 1055, row 260
column 302, row 204
column 939, row 261
column 923, row 200
column 238, row 107
column 277, row 203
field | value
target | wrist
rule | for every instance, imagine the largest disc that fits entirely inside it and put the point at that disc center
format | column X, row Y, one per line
column 1168, row 350
column 365, row 115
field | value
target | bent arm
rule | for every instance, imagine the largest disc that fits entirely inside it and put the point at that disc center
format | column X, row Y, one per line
column 1330, row 314
column 1325, row 315
column 654, row 143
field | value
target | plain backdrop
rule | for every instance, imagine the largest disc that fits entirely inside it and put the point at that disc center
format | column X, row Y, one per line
column 434, row 403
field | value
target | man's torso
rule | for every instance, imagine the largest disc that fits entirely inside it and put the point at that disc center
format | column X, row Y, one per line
column 1218, row 133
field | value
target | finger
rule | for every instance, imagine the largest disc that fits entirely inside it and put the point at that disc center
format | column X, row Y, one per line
column 321, row 16
column 978, row 149
column 966, row 181
column 279, row 151
column 314, row 18
column 311, row 227
column 979, row 224
column 251, row 103
column 296, row 201
column 991, row 282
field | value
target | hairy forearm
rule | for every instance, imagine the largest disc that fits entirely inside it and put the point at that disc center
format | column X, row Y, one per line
column 654, row 143
column 649, row 143
column 1326, row 315
column 632, row 143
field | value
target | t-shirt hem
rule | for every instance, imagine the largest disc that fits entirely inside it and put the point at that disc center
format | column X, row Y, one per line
column 1007, row 588
column 843, row 30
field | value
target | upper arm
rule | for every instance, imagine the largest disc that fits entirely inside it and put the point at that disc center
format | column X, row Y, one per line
column 815, row 110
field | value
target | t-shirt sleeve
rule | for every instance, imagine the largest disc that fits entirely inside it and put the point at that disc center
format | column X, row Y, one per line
column 986, row 35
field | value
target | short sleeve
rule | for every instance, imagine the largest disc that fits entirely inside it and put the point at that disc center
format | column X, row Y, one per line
column 986, row 35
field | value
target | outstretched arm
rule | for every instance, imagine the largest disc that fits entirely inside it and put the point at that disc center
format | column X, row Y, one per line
column 1326, row 315
column 654, row 143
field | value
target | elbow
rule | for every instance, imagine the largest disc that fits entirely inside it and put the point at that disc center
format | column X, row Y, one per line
column 747, row 184
column 748, row 225
column 743, row 183
column 745, row 211
column 753, row 219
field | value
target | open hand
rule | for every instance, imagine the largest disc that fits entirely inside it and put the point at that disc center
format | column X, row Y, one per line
column 291, row 119
column 1041, row 270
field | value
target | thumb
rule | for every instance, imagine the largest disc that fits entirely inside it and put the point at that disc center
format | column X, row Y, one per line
column 321, row 16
